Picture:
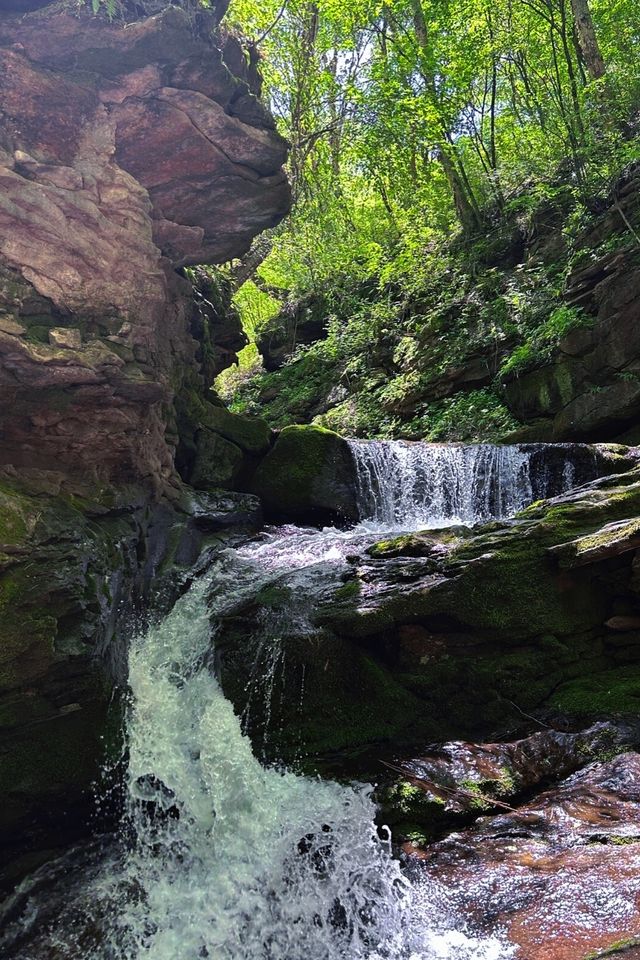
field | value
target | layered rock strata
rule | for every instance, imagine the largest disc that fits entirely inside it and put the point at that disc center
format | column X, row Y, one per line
column 125, row 151
column 128, row 151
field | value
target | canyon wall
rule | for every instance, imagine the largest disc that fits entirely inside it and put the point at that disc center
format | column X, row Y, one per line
column 127, row 152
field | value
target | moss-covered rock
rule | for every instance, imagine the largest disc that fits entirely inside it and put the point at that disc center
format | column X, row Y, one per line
column 516, row 617
column 613, row 692
column 251, row 434
column 217, row 463
column 308, row 476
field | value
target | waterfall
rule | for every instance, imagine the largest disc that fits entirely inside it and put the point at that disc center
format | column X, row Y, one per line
column 426, row 485
column 220, row 857
column 243, row 861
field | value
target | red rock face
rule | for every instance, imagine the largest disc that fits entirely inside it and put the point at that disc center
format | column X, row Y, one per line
column 125, row 151
column 557, row 878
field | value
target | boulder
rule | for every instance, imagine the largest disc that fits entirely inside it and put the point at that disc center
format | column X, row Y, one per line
column 555, row 877
column 308, row 476
column 217, row 463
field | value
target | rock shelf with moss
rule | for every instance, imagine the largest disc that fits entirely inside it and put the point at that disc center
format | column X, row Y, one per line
column 76, row 574
column 484, row 626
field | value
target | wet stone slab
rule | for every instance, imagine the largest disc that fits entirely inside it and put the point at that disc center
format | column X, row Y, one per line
column 559, row 877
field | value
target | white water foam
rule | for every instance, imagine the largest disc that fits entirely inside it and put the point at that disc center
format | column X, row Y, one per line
column 412, row 486
column 248, row 863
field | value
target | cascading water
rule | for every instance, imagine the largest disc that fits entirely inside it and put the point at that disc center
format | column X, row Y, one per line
column 427, row 485
column 231, row 860
column 220, row 857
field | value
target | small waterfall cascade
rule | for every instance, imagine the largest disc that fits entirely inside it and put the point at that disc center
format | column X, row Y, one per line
column 426, row 485
column 220, row 858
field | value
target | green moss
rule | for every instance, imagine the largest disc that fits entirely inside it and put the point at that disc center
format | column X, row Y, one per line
column 273, row 596
column 618, row 947
column 404, row 801
column 610, row 692
column 249, row 433
column 476, row 796
column 348, row 590
column 18, row 517
column 308, row 470
column 413, row 832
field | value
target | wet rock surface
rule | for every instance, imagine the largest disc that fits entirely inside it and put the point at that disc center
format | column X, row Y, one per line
column 558, row 876
column 461, row 779
column 78, row 577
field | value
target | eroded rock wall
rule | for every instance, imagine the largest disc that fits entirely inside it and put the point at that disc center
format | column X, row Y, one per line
column 126, row 151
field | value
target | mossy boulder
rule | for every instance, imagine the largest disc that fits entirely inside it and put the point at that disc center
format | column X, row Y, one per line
column 308, row 476
column 217, row 463
column 251, row 434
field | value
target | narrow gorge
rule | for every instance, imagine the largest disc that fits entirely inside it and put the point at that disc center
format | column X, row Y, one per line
column 271, row 690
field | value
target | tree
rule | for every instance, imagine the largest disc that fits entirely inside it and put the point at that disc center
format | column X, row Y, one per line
column 587, row 39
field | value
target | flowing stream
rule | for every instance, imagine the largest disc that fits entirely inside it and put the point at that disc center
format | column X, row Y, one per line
column 219, row 856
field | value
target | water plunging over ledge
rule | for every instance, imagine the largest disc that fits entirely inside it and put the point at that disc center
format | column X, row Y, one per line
column 428, row 485
column 223, row 858
column 220, row 857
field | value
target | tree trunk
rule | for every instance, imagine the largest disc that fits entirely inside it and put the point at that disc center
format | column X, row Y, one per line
column 587, row 39
column 464, row 202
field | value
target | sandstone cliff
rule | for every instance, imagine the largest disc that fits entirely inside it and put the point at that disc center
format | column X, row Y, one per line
column 126, row 151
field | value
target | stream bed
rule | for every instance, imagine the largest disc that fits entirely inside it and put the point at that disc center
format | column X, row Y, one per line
column 219, row 856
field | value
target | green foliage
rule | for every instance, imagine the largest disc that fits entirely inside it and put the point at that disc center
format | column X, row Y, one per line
column 429, row 141
column 542, row 340
column 256, row 307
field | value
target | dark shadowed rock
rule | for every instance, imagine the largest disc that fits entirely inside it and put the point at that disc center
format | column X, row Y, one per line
column 309, row 476
column 301, row 322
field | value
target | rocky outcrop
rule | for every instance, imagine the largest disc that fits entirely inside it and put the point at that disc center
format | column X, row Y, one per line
column 215, row 323
column 456, row 782
column 128, row 151
column 77, row 575
column 590, row 386
column 125, row 152
column 300, row 322
column 450, row 633
column 309, row 477
column 491, row 623
column 554, row 877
